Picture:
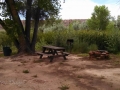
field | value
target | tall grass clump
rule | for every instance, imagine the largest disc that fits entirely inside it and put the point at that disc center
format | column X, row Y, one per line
column 113, row 41
column 5, row 40
column 104, row 40
column 84, row 41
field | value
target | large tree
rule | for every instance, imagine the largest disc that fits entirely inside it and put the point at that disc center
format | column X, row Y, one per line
column 100, row 18
column 118, row 22
column 32, row 10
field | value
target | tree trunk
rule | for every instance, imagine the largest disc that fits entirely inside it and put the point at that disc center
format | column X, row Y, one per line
column 28, row 19
column 23, row 46
column 35, row 30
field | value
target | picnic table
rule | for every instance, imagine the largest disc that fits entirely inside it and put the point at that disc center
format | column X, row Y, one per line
column 53, row 51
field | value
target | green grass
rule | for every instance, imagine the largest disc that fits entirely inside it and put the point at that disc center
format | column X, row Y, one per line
column 83, row 54
column 64, row 87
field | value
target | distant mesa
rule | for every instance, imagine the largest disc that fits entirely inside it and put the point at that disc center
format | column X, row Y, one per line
column 66, row 22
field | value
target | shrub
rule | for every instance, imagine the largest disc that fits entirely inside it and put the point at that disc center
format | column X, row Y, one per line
column 64, row 87
column 92, row 47
column 25, row 71
column 5, row 39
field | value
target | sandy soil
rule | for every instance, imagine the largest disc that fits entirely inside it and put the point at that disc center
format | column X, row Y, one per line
column 76, row 73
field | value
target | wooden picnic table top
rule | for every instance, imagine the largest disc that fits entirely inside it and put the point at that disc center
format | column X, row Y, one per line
column 53, row 47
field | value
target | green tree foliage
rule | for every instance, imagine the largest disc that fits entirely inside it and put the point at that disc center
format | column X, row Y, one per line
column 33, row 11
column 100, row 18
column 110, row 26
column 76, row 25
column 118, row 22
column 54, row 27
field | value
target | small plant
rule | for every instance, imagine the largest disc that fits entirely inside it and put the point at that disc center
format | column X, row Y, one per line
column 38, row 61
column 116, row 62
column 1, row 67
column 102, row 77
column 19, row 65
column 64, row 87
column 35, row 76
column 61, row 63
column 23, row 61
column 25, row 71
column 117, row 89
column 79, row 76
column 75, row 66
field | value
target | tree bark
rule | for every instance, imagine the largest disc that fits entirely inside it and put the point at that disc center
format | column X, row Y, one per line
column 28, row 19
column 23, row 47
column 35, row 30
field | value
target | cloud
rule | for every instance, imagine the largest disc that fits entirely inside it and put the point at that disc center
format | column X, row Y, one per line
column 114, row 9
column 82, row 9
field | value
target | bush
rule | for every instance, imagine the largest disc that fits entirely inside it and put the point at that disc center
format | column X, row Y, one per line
column 92, row 47
column 5, row 39
column 84, row 40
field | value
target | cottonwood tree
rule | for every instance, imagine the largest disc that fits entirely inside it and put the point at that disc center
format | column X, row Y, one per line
column 118, row 22
column 100, row 18
column 32, row 10
column 112, row 24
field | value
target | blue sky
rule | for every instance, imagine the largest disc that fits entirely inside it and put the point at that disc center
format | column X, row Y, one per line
column 105, row 1
column 99, row 1
column 82, row 9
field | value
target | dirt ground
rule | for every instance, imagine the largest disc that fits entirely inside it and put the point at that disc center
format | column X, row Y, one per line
column 76, row 73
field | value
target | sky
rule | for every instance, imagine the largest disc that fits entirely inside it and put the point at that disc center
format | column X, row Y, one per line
column 82, row 9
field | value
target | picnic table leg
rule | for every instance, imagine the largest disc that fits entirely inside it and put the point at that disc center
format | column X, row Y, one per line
column 64, row 56
column 51, row 58
column 53, row 54
column 41, row 56
column 44, row 49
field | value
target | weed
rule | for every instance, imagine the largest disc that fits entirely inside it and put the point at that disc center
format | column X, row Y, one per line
column 64, row 87
column 1, row 54
column 79, row 76
column 102, row 77
column 83, row 55
column 35, row 76
column 37, row 61
column 25, row 71
column 61, row 63
column 1, row 67
column 117, row 62
column 117, row 89
column 75, row 66
column 23, row 61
